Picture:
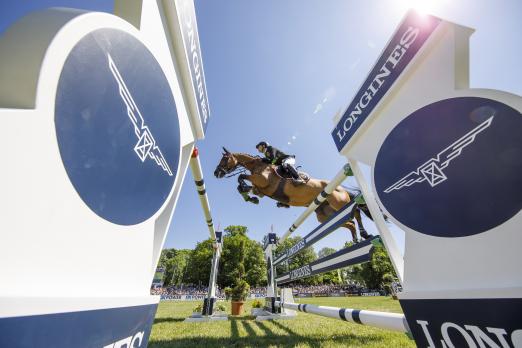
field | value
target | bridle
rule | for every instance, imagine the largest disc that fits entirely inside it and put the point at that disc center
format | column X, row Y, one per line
column 236, row 170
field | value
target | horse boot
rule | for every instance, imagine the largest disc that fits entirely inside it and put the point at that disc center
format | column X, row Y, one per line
column 249, row 198
column 243, row 187
column 363, row 233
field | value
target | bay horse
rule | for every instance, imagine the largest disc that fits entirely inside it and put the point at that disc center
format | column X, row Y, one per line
column 267, row 181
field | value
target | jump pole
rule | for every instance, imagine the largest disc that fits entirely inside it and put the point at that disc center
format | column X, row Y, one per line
column 383, row 320
column 195, row 167
column 217, row 242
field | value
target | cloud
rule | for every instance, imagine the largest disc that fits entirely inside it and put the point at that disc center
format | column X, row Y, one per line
column 354, row 64
column 328, row 94
column 371, row 44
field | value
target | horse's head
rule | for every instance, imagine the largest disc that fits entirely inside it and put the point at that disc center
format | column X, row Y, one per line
column 227, row 164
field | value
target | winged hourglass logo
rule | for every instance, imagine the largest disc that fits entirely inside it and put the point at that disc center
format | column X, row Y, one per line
column 146, row 145
column 431, row 171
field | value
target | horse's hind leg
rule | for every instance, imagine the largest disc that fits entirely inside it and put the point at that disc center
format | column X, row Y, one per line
column 357, row 216
column 324, row 211
column 338, row 198
column 351, row 226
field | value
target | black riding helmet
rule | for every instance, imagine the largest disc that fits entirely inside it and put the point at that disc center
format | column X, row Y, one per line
column 262, row 143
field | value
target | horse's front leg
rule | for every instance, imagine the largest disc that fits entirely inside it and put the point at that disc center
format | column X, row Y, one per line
column 244, row 189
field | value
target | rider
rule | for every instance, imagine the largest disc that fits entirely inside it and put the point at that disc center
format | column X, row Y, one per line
column 278, row 157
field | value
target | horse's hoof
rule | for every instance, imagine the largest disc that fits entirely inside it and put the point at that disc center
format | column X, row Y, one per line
column 254, row 200
column 364, row 234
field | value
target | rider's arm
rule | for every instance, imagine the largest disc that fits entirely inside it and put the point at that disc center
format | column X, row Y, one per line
column 271, row 154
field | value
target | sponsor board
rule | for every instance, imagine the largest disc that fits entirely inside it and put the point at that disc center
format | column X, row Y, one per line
column 402, row 48
column 431, row 166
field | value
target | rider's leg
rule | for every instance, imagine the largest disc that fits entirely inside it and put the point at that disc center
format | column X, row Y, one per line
column 288, row 165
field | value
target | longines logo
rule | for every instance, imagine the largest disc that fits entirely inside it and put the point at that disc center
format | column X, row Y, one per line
column 146, row 145
column 301, row 272
column 433, row 167
column 431, row 171
column 472, row 335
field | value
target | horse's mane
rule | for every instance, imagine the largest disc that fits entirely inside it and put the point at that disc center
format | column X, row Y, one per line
column 247, row 154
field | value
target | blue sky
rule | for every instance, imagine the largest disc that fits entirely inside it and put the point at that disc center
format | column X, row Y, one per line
column 279, row 71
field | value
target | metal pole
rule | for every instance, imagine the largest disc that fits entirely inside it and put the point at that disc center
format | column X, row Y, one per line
column 208, row 303
column 389, row 241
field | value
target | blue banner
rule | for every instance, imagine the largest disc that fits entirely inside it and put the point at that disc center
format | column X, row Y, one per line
column 403, row 47
column 189, row 32
column 121, row 327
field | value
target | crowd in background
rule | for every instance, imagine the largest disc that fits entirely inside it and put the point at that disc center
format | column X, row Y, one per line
column 326, row 289
column 259, row 291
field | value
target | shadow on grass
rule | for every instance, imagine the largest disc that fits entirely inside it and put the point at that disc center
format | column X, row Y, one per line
column 167, row 320
column 268, row 337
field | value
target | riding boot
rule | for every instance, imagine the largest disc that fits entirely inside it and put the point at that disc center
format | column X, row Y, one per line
column 293, row 172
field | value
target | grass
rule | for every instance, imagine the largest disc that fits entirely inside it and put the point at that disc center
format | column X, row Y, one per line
column 307, row 330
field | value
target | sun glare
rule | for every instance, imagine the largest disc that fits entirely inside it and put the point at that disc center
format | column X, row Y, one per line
column 423, row 6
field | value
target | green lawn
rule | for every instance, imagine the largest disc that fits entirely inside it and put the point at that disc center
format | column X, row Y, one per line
column 307, row 330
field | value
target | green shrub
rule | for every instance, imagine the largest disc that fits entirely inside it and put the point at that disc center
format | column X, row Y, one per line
column 240, row 291
column 257, row 304
column 228, row 293
column 198, row 308
column 221, row 307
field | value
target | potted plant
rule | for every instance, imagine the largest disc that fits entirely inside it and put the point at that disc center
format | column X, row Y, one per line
column 196, row 311
column 257, row 308
column 239, row 295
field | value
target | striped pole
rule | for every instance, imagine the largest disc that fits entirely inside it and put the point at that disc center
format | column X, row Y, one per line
column 333, row 223
column 339, row 178
column 353, row 255
column 383, row 320
column 195, row 167
column 197, row 173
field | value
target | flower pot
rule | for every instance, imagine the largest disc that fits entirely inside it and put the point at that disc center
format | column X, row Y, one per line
column 237, row 307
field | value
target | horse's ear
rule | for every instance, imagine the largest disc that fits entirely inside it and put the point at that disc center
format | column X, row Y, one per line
column 226, row 151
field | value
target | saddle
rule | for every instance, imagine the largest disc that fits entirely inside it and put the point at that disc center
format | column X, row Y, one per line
column 283, row 174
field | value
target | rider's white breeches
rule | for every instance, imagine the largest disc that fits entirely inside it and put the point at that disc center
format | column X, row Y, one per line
column 289, row 161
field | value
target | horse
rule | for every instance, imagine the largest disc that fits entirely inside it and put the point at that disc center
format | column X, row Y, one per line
column 267, row 180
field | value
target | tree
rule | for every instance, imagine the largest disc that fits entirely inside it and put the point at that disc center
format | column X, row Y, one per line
column 376, row 274
column 199, row 263
column 300, row 259
column 177, row 267
column 237, row 247
column 332, row 277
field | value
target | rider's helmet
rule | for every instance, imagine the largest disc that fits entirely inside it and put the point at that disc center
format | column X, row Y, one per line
column 263, row 144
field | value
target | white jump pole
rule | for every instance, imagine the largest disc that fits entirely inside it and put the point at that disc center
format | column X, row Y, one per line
column 336, row 181
column 197, row 173
column 383, row 320
column 195, row 167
